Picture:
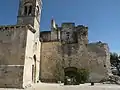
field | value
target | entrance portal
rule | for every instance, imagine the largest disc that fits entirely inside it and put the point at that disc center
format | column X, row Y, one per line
column 71, row 76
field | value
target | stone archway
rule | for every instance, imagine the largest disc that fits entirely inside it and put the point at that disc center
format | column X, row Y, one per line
column 71, row 76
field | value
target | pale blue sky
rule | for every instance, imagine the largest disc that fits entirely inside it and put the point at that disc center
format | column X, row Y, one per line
column 101, row 16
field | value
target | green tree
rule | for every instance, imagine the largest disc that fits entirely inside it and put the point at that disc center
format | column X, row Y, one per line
column 115, row 61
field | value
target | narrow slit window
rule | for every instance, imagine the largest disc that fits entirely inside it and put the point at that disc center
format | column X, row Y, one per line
column 25, row 10
column 30, row 10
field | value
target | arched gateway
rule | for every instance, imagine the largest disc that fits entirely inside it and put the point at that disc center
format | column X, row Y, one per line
column 71, row 75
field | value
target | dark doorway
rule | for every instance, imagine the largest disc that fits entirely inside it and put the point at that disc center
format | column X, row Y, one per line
column 71, row 76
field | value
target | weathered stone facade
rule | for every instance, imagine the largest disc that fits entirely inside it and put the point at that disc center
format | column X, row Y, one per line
column 27, row 57
column 16, row 59
column 20, row 47
column 99, row 61
column 70, row 48
column 50, row 55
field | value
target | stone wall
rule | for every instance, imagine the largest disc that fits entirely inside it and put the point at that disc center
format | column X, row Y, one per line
column 12, row 54
column 12, row 45
column 11, row 76
column 68, row 33
column 54, row 35
column 76, row 52
column 50, row 57
column 99, row 61
column 56, row 56
column 32, row 59
column 18, row 47
column 29, row 61
column 75, row 55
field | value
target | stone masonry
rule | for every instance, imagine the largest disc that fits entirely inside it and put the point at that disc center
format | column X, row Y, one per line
column 69, row 46
column 20, row 47
column 28, row 56
column 14, row 55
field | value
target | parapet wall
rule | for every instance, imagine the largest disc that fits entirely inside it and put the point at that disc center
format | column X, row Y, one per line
column 67, row 33
column 67, row 25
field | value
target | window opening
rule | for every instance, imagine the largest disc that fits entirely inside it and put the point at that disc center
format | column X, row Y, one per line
column 37, row 11
column 30, row 10
column 25, row 10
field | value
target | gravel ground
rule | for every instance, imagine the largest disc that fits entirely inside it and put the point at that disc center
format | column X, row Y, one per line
column 43, row 86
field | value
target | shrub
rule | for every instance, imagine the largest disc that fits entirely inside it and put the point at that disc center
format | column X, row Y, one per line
column 83, row 75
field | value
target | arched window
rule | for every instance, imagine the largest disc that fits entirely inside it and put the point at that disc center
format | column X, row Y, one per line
column 28, row 8
column 25, row 10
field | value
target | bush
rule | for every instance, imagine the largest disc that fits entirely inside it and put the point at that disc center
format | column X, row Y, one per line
column 83, row 75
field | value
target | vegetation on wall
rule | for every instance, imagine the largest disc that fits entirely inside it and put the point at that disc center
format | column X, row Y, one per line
column 83, row 75
column 115, row 61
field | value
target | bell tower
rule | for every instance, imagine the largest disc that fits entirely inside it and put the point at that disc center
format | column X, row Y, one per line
column 29, row 13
